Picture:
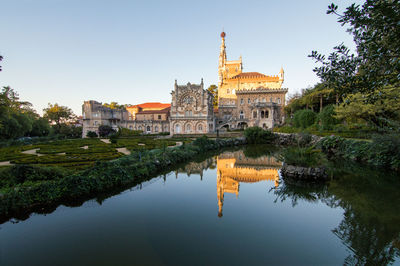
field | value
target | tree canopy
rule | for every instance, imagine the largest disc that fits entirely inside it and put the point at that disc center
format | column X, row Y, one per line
column 17, row 118
column 375, row 29
column 114, row 105
column 58, row 114
column 214, row 90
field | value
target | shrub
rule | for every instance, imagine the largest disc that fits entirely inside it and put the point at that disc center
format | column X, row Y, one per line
column 382, row 151
column 91, row 134
column 105, row 130
column 304, row 118
column 257, row 135
column 125, row 132
column 326, row 118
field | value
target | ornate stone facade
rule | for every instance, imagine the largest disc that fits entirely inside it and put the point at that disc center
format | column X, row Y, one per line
column 244, row 98
column 191, row 110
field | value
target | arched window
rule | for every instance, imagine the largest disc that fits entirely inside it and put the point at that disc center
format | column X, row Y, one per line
column 148, row 129
column 262, row 114
column 270, row 99
column 266, row 113
column 254, row 114
column 241, row 116
column 156, row 128
column 263, row 99
column 248, row 100
column 188, row 128
column 279, row 100
column 227, row 91
column 130, row 127
column 200, row 128
column 178, row 128
column 241, row 101
column 140, row 127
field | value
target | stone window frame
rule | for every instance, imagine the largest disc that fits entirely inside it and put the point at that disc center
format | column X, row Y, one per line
column 241, row 101
column 178, row 128
column 156, row 129
column 241, row 114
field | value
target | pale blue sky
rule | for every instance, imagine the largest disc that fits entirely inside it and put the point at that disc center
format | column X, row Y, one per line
column 68, row 51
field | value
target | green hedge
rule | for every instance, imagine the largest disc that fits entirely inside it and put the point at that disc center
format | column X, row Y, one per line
column 49, row 187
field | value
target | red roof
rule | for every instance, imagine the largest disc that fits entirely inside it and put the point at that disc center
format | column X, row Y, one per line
column 163, row 111
column 246, row 75
column 152, row 105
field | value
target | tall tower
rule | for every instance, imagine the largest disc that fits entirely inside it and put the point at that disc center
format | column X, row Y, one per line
column 222, row 60
column 281, row 75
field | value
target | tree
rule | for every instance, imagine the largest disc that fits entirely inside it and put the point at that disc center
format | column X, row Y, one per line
column 114, row 105
column 1, row 59
column 384, row 112
column 58, row 114
column 304, row 118
column 375, row 29
column 16, row 117
column 91, row 134
column 214, row 90
column 40, row 127
column 105, row 130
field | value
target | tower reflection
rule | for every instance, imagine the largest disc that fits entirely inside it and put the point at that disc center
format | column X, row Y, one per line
column 234, row 168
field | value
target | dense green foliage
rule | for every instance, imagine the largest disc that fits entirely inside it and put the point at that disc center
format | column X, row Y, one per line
column 304, row 118
column 91, row 134
column 382, row 151
column 257, row 135
column 367, row 83
column 326, row 118
column 105, row 130
column 17, row 119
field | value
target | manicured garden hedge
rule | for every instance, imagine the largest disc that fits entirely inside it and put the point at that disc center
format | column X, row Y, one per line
column 71, row 154
column 42, row 186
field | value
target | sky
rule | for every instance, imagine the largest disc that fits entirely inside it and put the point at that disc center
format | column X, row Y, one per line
column 130, row 52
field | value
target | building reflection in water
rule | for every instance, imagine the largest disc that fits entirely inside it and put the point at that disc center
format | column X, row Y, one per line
column 234, row 168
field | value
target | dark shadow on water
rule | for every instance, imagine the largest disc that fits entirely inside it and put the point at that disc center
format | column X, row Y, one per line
column 370, row 198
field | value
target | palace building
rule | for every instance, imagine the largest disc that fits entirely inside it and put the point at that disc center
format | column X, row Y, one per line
column 151, row 118
column 192, row 109
column 245, row 99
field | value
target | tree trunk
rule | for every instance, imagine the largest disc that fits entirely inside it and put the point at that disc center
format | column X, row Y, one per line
column 337, row 99
column 320, row 103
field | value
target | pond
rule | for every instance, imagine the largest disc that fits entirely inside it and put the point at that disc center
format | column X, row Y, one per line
column 230, row 209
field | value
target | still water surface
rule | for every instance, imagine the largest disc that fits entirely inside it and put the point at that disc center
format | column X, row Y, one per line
column 231, row 209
